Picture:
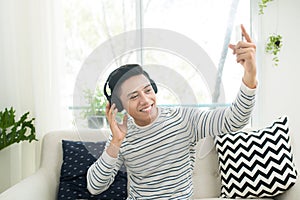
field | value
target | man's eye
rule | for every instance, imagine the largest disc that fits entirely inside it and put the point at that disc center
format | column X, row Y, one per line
column 133, row 97
column 148, row 90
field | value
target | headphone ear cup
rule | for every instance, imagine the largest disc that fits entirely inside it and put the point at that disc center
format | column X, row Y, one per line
column 154, row 86
column 118, row 103
column 108, row 99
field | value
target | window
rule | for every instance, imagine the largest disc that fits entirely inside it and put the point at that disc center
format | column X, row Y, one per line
column 185, row 27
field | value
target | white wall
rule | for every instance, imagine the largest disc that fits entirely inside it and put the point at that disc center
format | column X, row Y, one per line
column 278, row 86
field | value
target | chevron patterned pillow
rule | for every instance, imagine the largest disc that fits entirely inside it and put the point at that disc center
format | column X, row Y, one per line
column 256, row 164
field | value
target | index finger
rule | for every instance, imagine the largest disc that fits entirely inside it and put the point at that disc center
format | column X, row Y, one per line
column 245, row 34
column 107, row 107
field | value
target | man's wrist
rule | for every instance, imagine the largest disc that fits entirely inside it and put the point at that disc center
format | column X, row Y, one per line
column 250, row 80
column 113, row 149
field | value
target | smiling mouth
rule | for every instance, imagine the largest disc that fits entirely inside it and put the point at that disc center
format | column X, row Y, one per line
column 147, row 109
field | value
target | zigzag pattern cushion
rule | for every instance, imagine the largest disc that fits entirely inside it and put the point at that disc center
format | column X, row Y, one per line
column 256, row 164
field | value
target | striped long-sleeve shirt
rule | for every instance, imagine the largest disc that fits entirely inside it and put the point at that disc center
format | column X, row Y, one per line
column 160, row 157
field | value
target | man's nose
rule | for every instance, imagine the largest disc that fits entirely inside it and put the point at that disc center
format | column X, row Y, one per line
column 143, row 98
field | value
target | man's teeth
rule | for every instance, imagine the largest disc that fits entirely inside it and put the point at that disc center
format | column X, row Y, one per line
column 146, row 109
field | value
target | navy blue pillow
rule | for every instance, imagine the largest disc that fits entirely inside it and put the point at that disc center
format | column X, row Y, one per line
column 78, row 156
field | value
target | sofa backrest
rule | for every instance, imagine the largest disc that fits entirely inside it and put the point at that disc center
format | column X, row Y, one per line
column 51, row 155
column 205, row 177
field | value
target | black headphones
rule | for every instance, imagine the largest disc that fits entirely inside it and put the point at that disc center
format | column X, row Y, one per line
column 118, row 76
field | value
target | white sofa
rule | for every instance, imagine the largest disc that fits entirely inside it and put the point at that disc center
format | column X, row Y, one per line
column 43, row 185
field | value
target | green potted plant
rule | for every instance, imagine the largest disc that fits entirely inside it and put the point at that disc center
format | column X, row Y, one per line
column 95, row 111
column 13, row 131
column 274, row 43
column 262, row 5
column 273, row 47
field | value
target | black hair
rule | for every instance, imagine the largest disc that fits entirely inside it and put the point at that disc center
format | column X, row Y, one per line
column 118, row 76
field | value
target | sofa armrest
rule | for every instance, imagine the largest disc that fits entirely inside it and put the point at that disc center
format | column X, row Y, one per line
column 41, row 185
column 292, row 194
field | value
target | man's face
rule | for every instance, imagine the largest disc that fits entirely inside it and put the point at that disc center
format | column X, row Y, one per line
column 139, row 100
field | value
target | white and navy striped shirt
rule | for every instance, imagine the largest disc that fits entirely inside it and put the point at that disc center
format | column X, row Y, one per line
column 160, row 157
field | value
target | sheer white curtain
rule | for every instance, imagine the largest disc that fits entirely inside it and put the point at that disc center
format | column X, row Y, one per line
column 31, row 59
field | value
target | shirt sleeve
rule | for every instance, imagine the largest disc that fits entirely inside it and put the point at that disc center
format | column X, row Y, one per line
column 102, row 173
column 225, row 119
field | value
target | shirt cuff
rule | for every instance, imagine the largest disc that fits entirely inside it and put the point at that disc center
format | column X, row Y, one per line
column 108, row 159
column 247, row 90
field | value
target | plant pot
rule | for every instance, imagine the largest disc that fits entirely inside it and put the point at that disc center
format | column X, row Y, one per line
column 10, row 160
column 97, row 121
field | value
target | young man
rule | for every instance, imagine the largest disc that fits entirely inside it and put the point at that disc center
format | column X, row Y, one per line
column 157, row 145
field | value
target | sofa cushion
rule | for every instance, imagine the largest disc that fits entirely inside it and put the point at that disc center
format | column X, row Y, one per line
column 77, row 157
column 256, row 163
